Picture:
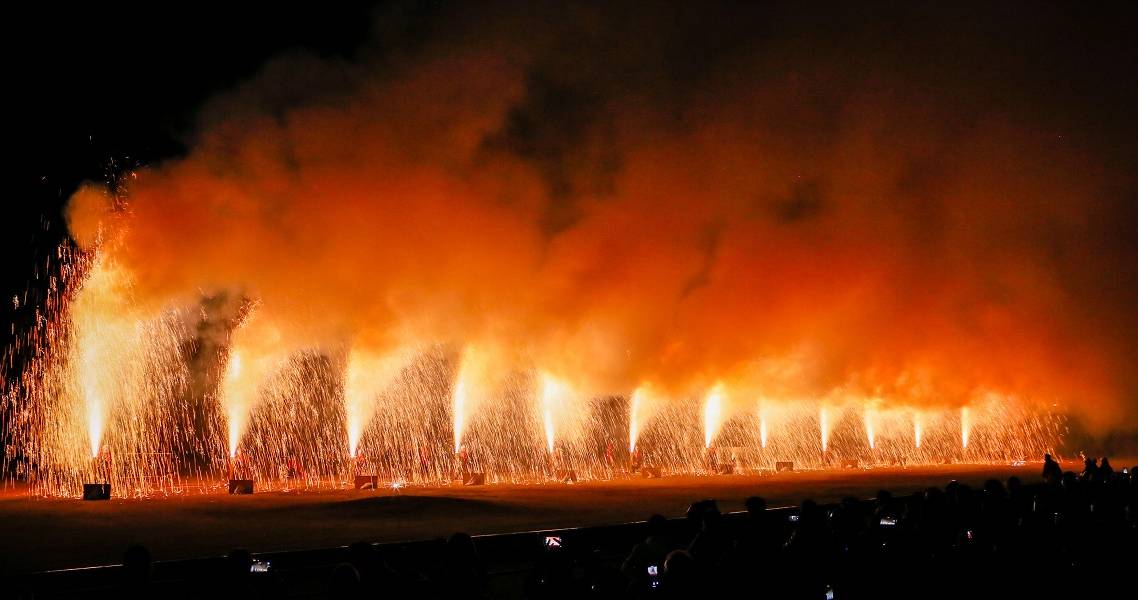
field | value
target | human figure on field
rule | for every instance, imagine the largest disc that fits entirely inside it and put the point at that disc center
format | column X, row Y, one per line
column 1052, row 472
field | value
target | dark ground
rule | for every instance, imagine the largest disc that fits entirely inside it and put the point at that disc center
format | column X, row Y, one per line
column 49, row 533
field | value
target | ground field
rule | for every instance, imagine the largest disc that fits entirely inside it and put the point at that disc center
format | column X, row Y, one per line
column 49, row 533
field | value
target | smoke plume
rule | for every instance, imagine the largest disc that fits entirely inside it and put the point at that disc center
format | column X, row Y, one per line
column 896, row 206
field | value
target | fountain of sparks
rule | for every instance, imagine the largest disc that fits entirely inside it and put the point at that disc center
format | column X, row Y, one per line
column 637, row 413
column 108, row 395
column 368, row 375
column 824, row 428
column 762, row 428
column 965, row 427
column 869, row 430
column 555, row 399
column 712, row 414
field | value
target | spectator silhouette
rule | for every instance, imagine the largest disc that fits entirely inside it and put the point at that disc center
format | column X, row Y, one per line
column 345, row 583
column 1052, row 472
column 681, row 575
column 374, row 572
column 1090, row 470
column 235, row 577
column 462, row 571
column 1105, row 471
column 711, row 549
column 650, row 552
column 136, row 572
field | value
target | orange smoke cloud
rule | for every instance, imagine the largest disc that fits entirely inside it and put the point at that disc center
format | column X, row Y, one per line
column 625, row 203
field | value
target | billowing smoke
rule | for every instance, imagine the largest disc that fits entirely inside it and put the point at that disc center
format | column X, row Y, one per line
column 790, row 206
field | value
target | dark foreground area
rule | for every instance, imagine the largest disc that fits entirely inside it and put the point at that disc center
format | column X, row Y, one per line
column 992, row 531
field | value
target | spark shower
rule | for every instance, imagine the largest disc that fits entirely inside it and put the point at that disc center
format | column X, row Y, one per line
column 502, row 249
column 108, row 398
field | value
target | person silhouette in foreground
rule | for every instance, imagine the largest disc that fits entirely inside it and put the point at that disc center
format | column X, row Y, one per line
column 1105, row 471
column 136, row 572
column 345, row 582
column 650, row 552
column 681, row 575
column 1090, row 470
column 463, row 574
column 1052, row 472
column 235, row 578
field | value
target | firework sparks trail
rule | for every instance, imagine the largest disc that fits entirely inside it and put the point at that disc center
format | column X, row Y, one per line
column 368, row 376
column 869, row 427
column 965, row 427
column 824, row 428
column 762, row 429
column 635, row 416
column 112, row 384
column 712, row 414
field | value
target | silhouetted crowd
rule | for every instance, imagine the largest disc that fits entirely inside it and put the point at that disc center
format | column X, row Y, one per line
column 1074, row 536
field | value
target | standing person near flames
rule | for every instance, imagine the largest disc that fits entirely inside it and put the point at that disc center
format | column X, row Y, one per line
column 1052, row 472
column 1090, row 469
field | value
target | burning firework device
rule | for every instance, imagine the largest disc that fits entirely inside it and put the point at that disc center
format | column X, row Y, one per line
column 654, row 575
column 552, row 542
column 366, row 482
column 240, row 486
column 888, row 521
column 96, row 491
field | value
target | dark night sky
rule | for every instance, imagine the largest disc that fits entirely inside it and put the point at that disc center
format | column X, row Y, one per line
column 97, row 89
